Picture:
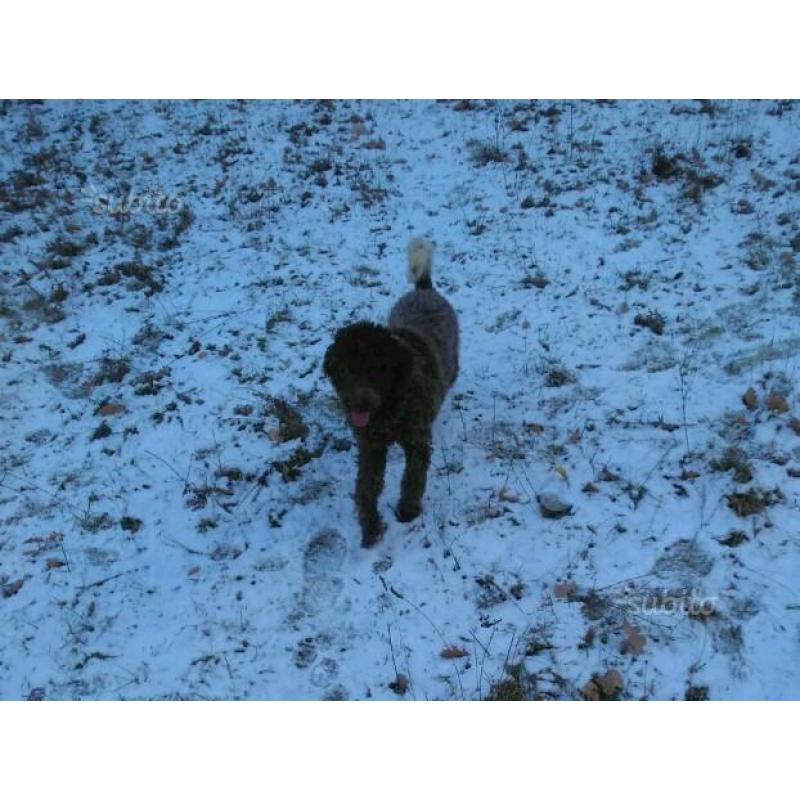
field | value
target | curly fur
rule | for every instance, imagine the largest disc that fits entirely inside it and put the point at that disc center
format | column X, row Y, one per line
column 391, row 381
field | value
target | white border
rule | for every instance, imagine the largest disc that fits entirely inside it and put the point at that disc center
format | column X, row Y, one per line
column 397, row 750
column 363, row 48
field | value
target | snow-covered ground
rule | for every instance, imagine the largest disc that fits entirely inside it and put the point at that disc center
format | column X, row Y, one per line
column 176, row 514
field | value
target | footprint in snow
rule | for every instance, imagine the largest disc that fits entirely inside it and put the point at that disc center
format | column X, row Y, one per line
column 323, row 558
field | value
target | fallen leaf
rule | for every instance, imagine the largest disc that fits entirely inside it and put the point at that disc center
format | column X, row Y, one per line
column 590, row 488
column 108, row 409
column 777, row 403
column 454, row 651
column 10, row 589
column 566, row 590
column 604, row 687
column 55, row 563
column 734, row 539
column 750, row 398
column 591, row 691
column 634, row 640
column 611, row 683
column 607, row 475
column 794, row 424
column 399, row 685
column 588, row 638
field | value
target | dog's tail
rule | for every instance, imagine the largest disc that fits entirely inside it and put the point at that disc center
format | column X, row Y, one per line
column 420, row 262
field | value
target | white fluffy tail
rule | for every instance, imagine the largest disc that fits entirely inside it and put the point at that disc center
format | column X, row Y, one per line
column 420, row 263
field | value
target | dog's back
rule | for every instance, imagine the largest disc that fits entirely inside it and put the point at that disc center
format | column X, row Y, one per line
column 425, row 312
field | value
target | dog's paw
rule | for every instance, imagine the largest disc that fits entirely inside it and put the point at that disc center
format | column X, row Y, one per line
column 372, row 533
column 406, row 511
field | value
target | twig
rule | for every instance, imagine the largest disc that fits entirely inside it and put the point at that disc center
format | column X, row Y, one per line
column 391, row 649
column 188, row 549
column 104, row 580
column 166, row 463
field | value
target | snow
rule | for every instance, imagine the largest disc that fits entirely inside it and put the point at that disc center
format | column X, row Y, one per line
column 206, row 545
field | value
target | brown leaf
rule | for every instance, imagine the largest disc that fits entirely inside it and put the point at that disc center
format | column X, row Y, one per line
column 566, row 590
column 777, row 403
column 108, row 409
column 454, row 651
column 607, row 475
column 794, row 424
column 634, row 640
column 55, row 563
column 399, row 685
column 604, row 687
column 750, row 398
column 588, row 638
column 590, row 488
column 10, row 589
column 611, row 683
column 591, row 691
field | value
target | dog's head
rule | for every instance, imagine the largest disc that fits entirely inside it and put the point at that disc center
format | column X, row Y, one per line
column 368, row 367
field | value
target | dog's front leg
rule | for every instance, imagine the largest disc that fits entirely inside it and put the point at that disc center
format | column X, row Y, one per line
column 418, row 459
column 369, row 485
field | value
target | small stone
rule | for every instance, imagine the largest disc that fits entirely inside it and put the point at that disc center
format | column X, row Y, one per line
column 553, row 506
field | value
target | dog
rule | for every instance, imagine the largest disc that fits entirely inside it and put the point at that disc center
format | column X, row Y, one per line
column 391, row 381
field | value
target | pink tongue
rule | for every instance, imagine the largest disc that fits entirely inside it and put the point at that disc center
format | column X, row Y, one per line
column 359, row 418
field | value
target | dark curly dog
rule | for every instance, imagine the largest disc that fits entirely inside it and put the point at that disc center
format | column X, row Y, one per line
column 392, row 381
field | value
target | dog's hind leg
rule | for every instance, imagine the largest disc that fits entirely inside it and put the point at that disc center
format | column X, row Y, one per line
column 415, row 475
column 369, row 485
